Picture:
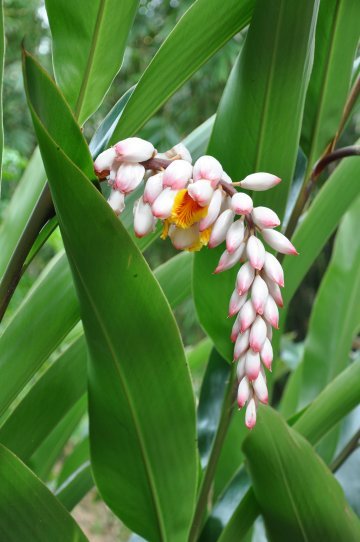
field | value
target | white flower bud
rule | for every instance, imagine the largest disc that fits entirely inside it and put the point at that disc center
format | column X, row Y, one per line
column 235, row 330
column 245, row 278
column 279, row 242
column 271, row 312
column 250, row 414
column 274, row 291
column 252, row 364
column 273, row 269
column 134, row 149
column 259, row 181
column 241, row 203
column 241, row 344
column 104, row 161
column 153, row 188
column 255, row 252
column 240, row 368
column 213, row 210
column 201, row 192
column 235, row 235
column 257, row 334
column 144, row 221
column 207, row 167
column 260, row 388
column 181, row 151
column 220, row 228
column 243, row 393
column 264, row 217
column 177, row 174
column 117, row 201
column 247, row 316
column 128, row 177
column 267, row 353
column 259, row 294
column 236, row 302
column 226, row 178
column 163, row 204
column 227, row 260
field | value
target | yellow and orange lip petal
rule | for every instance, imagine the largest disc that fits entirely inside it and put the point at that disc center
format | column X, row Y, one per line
column 165, row 230
column 186, row 211
column 203, row 240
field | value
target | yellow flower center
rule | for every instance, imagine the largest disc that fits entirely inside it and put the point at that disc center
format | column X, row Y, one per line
column 186, row 211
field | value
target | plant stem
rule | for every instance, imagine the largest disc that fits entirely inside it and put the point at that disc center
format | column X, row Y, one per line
column 225, row 418
column 346, row 452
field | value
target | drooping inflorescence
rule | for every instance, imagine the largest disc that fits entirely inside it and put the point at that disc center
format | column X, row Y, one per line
column 198, row 205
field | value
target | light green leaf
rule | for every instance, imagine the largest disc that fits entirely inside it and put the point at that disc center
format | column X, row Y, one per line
column 89, row 40
column 203, row 30
column 127, row 418
column 283, row 466
column 35, row 515
column 336, row 40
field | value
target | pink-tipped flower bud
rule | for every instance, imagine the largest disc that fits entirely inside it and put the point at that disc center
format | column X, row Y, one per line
column 257, row 334
column 153, row 188
column 240, row 368
column 220, row 228
column 247, row 316
column 177, row 174
column 250, row 414
column 134, row 149
column 235, row 235
column 279, row 242
column 201, row 192
column 264, row 217
column 236, row 302
column 184, row 238
column 243, row 393
column 144, row 221
column 117, row 201
column 259, row 294
column 207, row 167
column 260, row 388
column 252, row 364
column 235, row 330
column 273, row 269
column 259, row 181
column 274, row 291
column 241, row 344
column 241, row 203
column 245, row 278
column 227, row 260
column 163, row 204
column 267, row 353
column 255, row 252
column 271, row 312
column 269, row 331
column 128, row 177
column 181, row 151
column 104, row 162
column 213, row 210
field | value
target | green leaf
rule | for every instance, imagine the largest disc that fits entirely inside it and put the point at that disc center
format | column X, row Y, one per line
column 89, row 40
column 243, row 518
column 59, row 389
column 2, row 58
column 257, row 127
column 328, row 342
column 127, row 417
column 35, row 515
column 336, row 40
column 283, row 466
column 199, row 34
column 74, row 489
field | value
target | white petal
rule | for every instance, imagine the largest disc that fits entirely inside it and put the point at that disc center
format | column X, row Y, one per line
column 265, row 217
column 129, row 176
column 201, row 191
column 207, row 167
column 213, row 210
column 183, row 239
column 241, row 203
column 220, row 228
column 117, row 201
column 177, row 174
column 255, row 252
column 144, row 220
column 279, row 242
column 179, row 150
column 259, row 181
column 245, row 278
column 153, row 188
column 235, row 235
column 163, row 204
column 257, row 334
column 134, row 149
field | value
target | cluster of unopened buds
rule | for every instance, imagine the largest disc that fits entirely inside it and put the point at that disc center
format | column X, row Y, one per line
column 199, row 205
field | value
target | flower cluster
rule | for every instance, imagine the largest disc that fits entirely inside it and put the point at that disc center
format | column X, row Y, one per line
column 198, row 205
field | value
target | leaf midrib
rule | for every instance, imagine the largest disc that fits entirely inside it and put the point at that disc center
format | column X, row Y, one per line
column 127, row 394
